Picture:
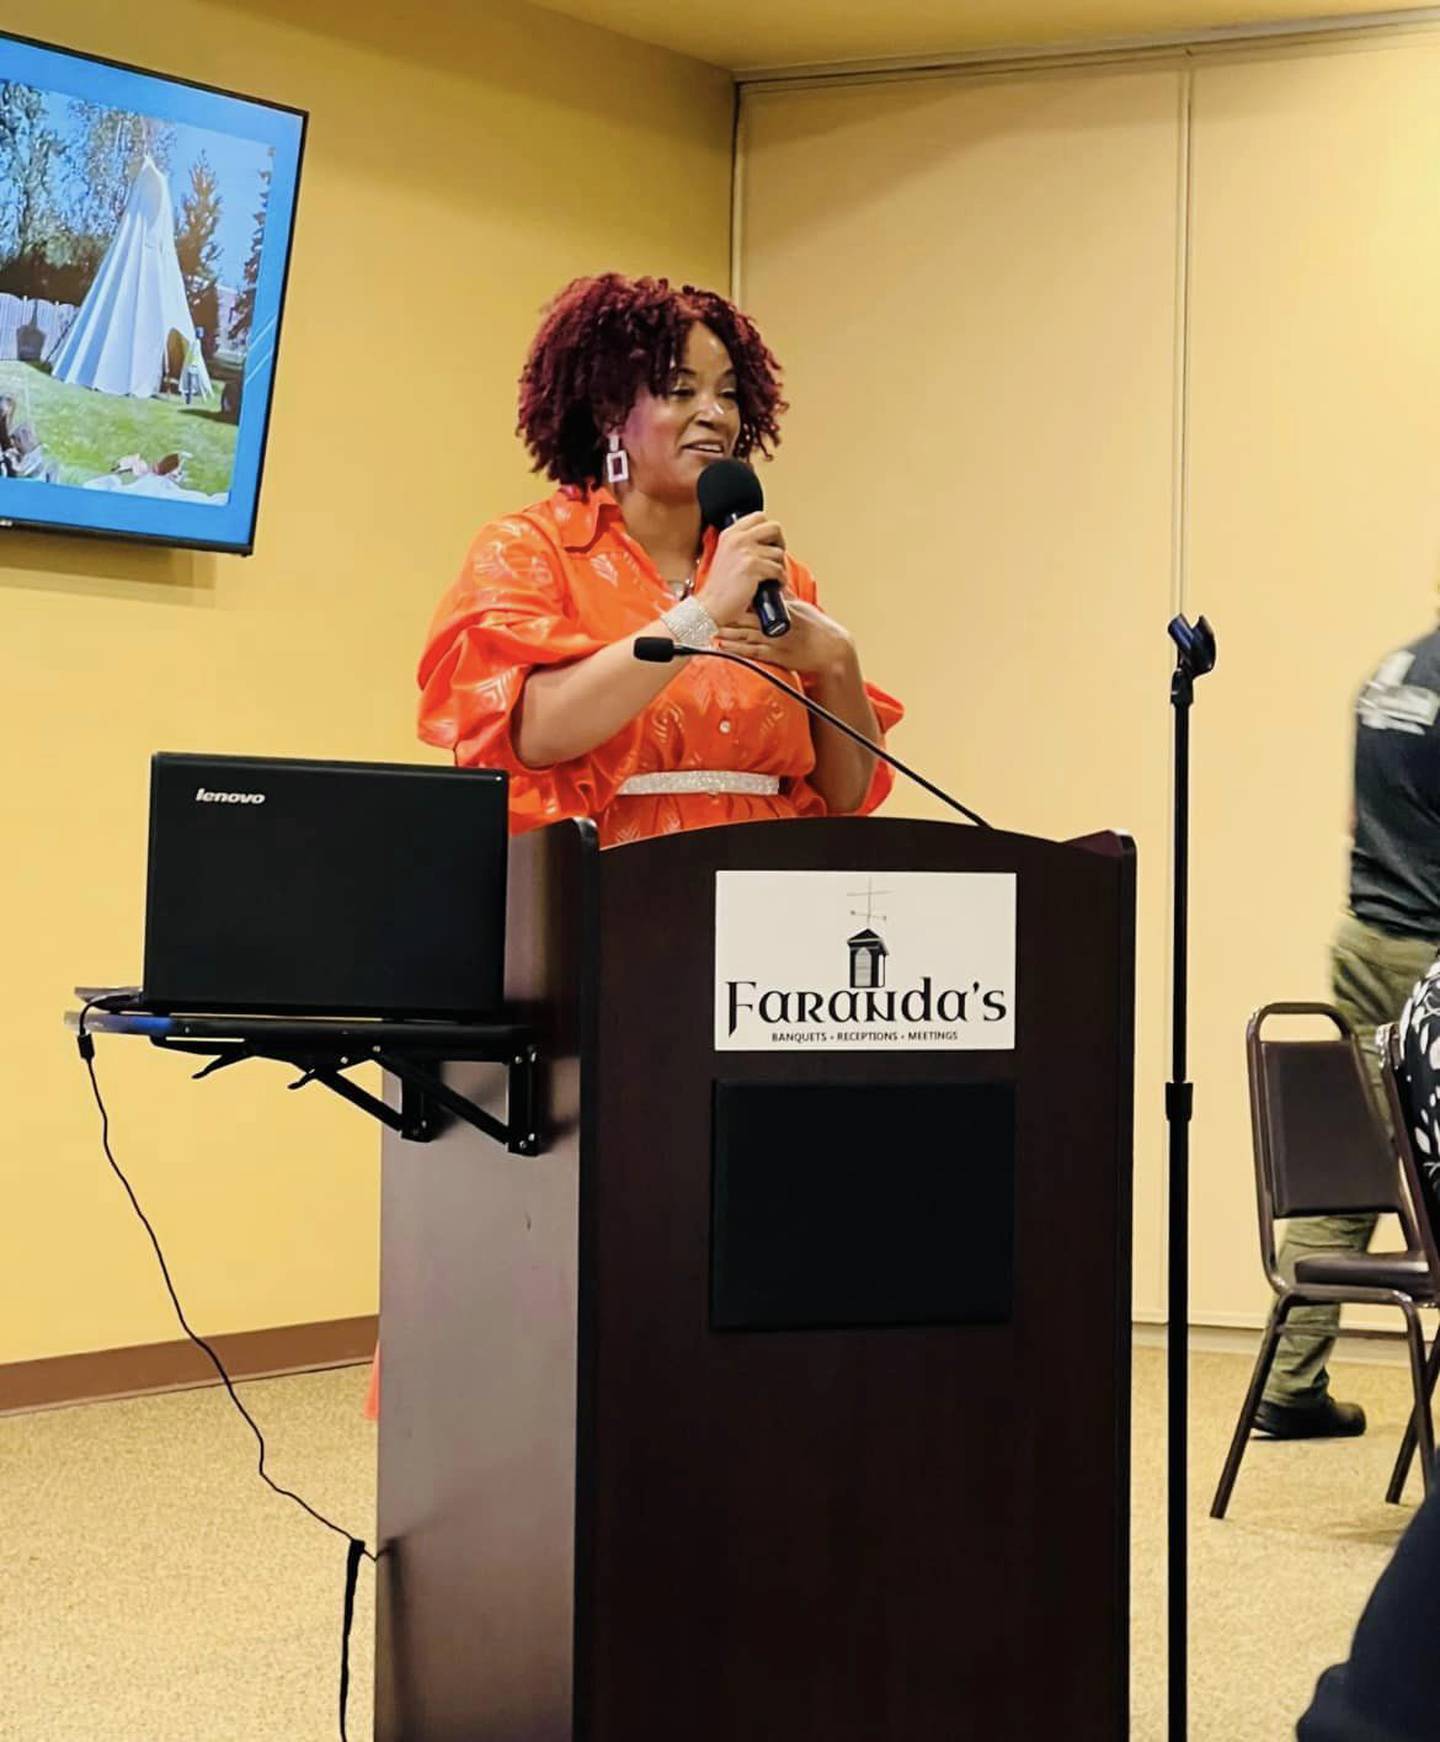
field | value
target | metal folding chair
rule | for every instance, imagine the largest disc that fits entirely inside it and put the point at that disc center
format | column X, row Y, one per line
column 1321, row 1151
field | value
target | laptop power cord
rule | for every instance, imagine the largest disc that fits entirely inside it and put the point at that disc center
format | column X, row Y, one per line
column 356, row 1549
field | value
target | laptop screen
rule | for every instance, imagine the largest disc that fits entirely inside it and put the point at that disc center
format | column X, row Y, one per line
column 349, row 888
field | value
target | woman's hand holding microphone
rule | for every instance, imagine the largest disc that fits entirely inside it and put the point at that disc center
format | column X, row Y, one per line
column 750, row 551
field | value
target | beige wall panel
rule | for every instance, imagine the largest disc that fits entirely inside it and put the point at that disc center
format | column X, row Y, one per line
column 971, row 284
column 1314, row 530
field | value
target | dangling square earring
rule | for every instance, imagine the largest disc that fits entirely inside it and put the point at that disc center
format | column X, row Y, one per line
column 617, row 463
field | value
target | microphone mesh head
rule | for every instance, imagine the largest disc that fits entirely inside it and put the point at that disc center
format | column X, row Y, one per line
column 727, row 489
column 654, row 649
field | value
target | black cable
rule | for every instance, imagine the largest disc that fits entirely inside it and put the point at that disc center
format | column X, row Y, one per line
column 682, row 650
column 357, row 1550
column 353, row 1555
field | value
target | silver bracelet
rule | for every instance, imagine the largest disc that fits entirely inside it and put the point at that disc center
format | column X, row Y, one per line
column 690, row 623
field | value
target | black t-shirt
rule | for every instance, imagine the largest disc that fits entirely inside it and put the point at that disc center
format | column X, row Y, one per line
column 1395, row 861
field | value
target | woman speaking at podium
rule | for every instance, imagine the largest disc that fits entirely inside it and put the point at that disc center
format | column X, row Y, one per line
column 630, row 390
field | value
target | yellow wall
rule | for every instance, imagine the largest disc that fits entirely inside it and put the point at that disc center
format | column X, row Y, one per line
column 462, row 163
column 1075, row 349
column 1314, row 529
column 977, row 323
column 982, row 321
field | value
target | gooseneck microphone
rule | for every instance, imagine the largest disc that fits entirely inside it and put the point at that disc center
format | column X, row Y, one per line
column 660, row 650
column 729, row 490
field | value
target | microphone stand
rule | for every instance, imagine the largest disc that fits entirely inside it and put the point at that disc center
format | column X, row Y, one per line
column 1195, row 655
column 660, row 650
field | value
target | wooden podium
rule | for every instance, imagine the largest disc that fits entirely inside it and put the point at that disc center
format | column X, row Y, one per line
column 784, row 1396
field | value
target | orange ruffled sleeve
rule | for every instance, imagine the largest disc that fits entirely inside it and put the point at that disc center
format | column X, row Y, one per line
column 510, row 612
column 888, row 713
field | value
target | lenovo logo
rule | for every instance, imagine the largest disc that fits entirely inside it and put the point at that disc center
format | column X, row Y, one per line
column 202, row 796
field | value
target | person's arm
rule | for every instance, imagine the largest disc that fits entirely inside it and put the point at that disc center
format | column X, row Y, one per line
column 843, row 768
column 820, row 649
column 569, row 710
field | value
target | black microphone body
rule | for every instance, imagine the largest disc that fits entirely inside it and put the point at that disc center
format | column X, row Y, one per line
column 660, row 650
column 770, row 609
column 728, row 491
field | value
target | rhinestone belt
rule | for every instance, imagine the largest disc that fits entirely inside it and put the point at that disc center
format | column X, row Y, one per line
column 708, row 780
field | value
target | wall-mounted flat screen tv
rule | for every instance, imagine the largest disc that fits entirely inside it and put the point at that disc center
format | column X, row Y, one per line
column 145, row 232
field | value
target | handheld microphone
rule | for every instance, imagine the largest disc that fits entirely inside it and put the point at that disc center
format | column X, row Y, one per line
column 729, row 490
column 660, row 650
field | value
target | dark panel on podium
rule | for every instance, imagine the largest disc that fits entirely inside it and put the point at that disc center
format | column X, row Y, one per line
column 837, row 1206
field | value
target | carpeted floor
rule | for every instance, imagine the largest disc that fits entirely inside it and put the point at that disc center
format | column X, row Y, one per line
column 155, row 1591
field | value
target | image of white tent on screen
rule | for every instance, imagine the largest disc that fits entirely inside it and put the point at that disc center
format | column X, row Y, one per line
column 119, row 339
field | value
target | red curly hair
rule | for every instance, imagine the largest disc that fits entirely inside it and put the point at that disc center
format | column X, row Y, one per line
column 602, row 340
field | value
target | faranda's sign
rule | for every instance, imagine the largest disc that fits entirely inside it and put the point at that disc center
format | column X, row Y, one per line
column 871, row 960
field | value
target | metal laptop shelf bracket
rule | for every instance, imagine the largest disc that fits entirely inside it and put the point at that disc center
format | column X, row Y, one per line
column 427, row 1102
column 422, row 1092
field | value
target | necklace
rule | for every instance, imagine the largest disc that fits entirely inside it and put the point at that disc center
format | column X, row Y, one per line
column 684, row 588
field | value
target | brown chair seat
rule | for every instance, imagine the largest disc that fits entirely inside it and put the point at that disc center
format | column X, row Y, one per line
column 1407, row 1272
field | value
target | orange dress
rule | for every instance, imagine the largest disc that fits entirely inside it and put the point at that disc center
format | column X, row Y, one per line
column 561, row 580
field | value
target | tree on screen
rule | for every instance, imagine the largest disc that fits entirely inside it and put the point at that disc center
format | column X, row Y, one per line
column 199, row 251
column 244, row 312
column 30, row 156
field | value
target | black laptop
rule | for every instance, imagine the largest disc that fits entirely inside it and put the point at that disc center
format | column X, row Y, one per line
column 325, row 888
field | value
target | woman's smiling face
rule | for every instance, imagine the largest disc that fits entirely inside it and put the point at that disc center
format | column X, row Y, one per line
column 671, row 437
